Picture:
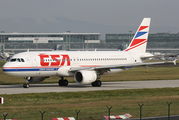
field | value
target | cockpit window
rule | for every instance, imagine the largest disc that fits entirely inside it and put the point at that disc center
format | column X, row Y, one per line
column 16, row 60
column 22, row 60
column 12, row 60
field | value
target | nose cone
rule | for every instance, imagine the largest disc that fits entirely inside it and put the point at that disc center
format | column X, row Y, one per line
column 8, row 69
column 5, row 67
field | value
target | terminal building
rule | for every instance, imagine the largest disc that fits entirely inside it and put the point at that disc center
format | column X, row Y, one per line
column 19, row 42
column 158, row 42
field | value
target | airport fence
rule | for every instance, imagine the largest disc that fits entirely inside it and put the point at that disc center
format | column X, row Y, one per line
column 109, row 117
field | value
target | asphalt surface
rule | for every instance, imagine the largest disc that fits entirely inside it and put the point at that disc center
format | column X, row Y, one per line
column 75, row 87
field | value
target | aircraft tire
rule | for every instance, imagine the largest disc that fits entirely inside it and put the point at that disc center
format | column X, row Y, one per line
column 65, row 82
column 26, row 85
column 93, row 84
column 60, row 82
column 97, row 83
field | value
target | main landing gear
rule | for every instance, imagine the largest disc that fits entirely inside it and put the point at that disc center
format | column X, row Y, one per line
column 97, row 83
column 63, row 82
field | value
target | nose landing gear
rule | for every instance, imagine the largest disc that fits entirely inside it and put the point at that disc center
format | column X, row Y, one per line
column 26, row 85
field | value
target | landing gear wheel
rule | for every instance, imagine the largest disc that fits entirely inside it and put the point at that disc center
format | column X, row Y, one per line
column 26, row 85
column 63, row 82
column 93, row 84
column 97, row 83
column 60, row 82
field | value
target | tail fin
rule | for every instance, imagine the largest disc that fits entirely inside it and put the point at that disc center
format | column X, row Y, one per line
column 139, row 41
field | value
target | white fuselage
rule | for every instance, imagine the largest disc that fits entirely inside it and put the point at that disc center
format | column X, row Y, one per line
column 58, row 63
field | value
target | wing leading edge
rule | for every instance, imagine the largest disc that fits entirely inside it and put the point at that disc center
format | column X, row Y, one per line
column 121, row 66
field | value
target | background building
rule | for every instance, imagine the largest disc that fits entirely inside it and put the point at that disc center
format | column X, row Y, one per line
column 158, row 42
column 18, row 42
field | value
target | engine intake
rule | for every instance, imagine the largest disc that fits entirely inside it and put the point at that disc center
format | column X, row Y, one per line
column 85, row 76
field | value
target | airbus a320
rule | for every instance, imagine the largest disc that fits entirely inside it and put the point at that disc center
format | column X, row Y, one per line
column 85, row 66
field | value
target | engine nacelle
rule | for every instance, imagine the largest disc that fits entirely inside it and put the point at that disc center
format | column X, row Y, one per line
column 85, row 76
column 35, row 79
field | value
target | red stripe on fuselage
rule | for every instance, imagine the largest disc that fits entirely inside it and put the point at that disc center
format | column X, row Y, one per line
column 15, row 67
column 49, row 66
column 30, row 67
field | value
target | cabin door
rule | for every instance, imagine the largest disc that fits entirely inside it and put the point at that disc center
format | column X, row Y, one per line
column 34, row 60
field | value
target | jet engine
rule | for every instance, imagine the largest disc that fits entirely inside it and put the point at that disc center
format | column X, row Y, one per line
column 85, row 76
column 35, row 79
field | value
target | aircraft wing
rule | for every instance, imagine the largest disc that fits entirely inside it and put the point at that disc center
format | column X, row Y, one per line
column 122, row 66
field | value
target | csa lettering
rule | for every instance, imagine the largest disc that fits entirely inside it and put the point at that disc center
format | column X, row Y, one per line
column 65, row 58
column 53, row 60
column 57, row 62
column 42, row 63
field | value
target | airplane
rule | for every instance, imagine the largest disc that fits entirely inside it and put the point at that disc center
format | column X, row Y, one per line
column 85, row 66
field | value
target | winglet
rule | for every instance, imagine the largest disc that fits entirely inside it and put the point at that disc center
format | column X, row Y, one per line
column 174, row 62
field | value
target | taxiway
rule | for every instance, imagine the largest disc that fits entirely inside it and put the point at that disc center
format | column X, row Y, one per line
column 74, row 87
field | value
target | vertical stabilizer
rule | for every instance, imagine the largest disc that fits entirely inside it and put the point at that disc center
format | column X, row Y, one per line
column 139, row 41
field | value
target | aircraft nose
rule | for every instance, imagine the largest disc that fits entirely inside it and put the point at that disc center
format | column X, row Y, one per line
column 5, row 67
column 8, row 69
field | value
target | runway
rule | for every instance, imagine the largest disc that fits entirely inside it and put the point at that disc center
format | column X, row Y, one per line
column 75, row 87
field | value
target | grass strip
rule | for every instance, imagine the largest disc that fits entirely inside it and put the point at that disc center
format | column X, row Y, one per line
column 92, row 104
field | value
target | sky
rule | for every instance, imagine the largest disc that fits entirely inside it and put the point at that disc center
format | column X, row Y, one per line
column 112, row 16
